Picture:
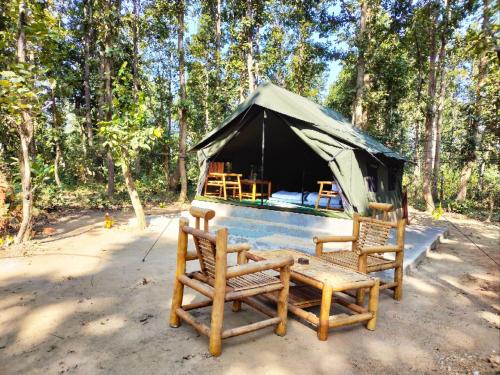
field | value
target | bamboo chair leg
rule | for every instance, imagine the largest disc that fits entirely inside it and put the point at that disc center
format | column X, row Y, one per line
column 242, row 259
column 362, row 266
column 215, row 342
column 282, row 309
column 373, row 306
column 324, row 314
column 180, row 270
column 319, row 249
column 319, row 194
column 398, row 276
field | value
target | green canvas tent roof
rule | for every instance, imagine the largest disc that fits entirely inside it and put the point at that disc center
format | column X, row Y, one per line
column 295, row 106
column 304, row 143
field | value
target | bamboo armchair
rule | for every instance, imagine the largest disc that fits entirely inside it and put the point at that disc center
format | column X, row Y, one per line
column 221, row 284
column 369, row 242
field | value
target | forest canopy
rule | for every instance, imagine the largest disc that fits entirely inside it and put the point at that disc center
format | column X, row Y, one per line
column 101, row 99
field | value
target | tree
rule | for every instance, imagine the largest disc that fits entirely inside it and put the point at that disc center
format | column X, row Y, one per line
column 127, row 133
column 87, row 40
column 181, row 163
column 479, row 110
column 25, row 129
column 358, row 113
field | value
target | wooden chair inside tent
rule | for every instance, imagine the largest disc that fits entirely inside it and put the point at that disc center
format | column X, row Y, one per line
column 218, row 182
column 324, row 192
column 221, row 284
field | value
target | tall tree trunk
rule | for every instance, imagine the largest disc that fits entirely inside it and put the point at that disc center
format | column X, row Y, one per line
column 218, row 33
column 429, row 119
column 108, row 94
column 249, row 49
column 206, row 98
column 182, row 109
column 135, row 31
column 135, row 67
column 57, row 146
column 25, row 130
column 471, row 157
column 87, row 11
column 438, row 130
column 358, row 112
column 134, row 196
column 438, row 116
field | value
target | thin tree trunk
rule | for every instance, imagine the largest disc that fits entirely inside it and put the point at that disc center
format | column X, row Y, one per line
column 218, row 34
column 438, row 131
column 429, row 120
column 358, row 113
column 135, row 31
column 25, row 130
column 57, row 147
column 464, row 178
column 438, row 118
column 108, row 93
column 182, row 110
column 87, row 11
column 57, row 161
column 249, row 49
column 134, row 196
column 207, row 101
column 471, row 157
column 135, row 69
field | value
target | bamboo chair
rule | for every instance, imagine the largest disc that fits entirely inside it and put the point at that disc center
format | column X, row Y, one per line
column 369, row 243
column 221, row 284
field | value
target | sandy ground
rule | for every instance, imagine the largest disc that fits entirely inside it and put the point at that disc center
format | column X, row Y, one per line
column 83, row 302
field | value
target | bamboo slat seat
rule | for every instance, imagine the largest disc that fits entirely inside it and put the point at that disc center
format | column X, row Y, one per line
column 349, row 259
column 369, row 240
column 221, row 284
column 251, row 281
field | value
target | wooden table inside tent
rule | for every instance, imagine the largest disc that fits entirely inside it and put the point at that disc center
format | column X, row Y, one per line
column 320, row 283
column 253, row 194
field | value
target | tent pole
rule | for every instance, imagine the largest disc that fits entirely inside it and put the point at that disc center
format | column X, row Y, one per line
column 262, row 159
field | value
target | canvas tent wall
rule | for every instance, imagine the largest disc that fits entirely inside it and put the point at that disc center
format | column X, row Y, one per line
column 304, row 142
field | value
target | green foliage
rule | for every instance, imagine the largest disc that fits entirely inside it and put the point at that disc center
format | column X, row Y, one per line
column 128, row 132
column 292, row 43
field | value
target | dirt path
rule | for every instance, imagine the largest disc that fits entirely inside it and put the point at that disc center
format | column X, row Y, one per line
column 83, row 302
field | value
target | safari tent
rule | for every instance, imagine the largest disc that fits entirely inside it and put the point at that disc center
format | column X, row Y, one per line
column 298, row 142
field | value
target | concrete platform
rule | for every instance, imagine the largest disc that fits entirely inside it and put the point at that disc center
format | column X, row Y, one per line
column 267, row 229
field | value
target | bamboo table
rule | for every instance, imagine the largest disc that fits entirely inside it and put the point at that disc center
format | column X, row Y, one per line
column 253, row 184
column 321, row 283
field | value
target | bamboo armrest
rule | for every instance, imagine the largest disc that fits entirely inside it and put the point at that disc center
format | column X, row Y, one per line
column 263, row 265
column 379, row 249
column 324, row 239
column 238, row 248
